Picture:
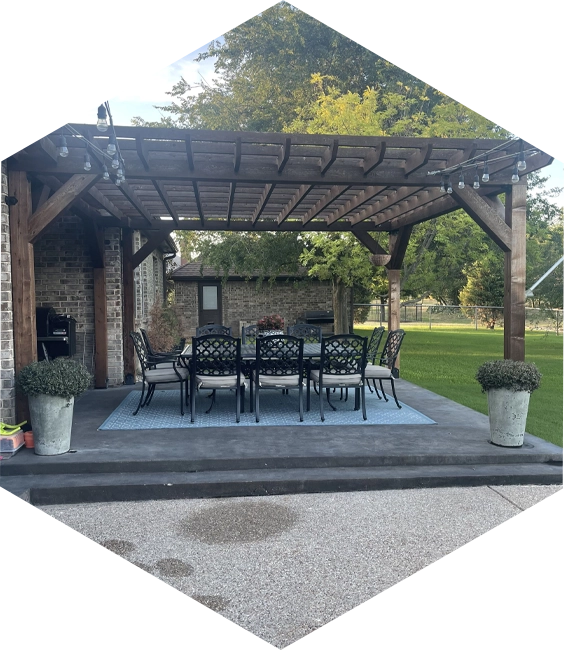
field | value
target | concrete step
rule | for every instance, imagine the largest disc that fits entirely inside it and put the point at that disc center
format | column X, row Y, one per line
column 109, row 487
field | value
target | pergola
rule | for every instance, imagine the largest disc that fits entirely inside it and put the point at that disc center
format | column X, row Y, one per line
column 240, row 181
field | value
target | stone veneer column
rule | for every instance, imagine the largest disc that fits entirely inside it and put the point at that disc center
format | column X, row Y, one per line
column 113, row 253
column 7, row 393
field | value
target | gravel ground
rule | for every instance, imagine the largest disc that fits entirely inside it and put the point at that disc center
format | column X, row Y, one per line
column 282, row 566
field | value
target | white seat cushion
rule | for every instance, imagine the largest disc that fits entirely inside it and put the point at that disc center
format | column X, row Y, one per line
column 282, row 381
column 374, row 372
column 337, row 380
column 166, row 375
column 218, row 381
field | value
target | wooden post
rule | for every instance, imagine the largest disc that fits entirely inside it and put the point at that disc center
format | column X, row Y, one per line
column 129, row 304
column 515, row 275
column 23, row 281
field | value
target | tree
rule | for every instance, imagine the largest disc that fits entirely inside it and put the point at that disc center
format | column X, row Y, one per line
column 265, row 66
column 485, row 286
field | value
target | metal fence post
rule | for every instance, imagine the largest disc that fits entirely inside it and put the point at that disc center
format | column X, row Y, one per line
column 430, row 316
column 476, row 323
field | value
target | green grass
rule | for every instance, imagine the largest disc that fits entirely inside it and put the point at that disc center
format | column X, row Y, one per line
column 445, row 361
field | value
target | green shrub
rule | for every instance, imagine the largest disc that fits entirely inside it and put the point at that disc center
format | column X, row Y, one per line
column 62, row 377
column 508, row 374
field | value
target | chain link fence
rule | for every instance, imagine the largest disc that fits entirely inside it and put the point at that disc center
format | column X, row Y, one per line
column 465, row 316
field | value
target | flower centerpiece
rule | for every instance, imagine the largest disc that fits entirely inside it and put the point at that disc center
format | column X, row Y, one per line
column 271, row 325
column 508, row 385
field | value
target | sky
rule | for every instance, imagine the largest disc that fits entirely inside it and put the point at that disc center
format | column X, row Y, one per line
column 142, row 101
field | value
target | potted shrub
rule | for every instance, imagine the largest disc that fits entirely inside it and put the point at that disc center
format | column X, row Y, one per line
column 508, row 385
column 271, row 325
column 51, row 388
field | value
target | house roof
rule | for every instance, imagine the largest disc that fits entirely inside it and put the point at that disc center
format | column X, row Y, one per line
column 197, row 271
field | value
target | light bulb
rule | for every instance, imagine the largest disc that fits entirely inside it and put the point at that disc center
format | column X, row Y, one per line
column 62, row 149
column 515, row 177
column 449, row 187
column 121, row 173
column 102, row 123
column 111, row 149
column 522, row 164
column 486, row 175
column 118, row 181
column 87, row 163
column 442, row 187
column 115, row 162
column 461, row 183
column 105, row 174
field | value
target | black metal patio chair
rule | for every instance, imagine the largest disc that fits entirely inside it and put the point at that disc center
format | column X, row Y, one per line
column 385, row 368
column 279, row 364
column 152, row 353
column 311, row 334
column 165, row 374
column 372, row 353
column 216, row 364
column 213, row 329
column 342, row 366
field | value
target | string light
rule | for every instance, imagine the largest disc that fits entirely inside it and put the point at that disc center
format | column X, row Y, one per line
column 443, row 186
column 486, row 175
column 105, row 174
column 461, row 183
column 62, row 149
column 515, row 177
column 476, row 184
column 449, row 187
column 87, row 163
column 111, row 149
column 102, row 123
column 115, row 162
column 521, row 165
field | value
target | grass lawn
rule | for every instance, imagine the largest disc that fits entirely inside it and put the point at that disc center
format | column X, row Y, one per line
column 445, row 360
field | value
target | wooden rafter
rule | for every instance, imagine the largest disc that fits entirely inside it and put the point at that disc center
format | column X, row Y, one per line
column 237, row 155
column 365, row 195
column 394, row 197
column 282, row 160
column 329, row 158
column 166, row 200
column 324, row 202
column 434, row 209
column 374, row 158
column 130, row 195
column 267, row 191
column 418, row 159
column 230, row 201
column 297, row 197
column 198, row 202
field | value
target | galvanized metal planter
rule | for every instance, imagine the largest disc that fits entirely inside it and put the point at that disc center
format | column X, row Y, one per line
column 508, row 411
column 52, row 420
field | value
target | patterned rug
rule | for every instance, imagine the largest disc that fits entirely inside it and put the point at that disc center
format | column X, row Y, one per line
column 276, row 408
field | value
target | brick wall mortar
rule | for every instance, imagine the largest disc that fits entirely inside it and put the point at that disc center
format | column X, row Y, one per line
column 7, row 376
column 114, row 303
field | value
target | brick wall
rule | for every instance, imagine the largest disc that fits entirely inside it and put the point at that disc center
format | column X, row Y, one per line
column 244, row 301
column 7, row 395
column 113, row 253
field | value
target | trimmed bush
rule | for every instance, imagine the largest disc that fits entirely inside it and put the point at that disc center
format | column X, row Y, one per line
column 62, row 377
column 508, row 374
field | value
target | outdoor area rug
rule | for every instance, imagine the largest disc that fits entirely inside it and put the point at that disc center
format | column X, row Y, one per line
column 276, row 409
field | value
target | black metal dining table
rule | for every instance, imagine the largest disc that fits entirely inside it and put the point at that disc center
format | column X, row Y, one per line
column 248, row 351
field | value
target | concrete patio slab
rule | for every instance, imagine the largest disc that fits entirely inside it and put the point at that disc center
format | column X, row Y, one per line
column 239, row 460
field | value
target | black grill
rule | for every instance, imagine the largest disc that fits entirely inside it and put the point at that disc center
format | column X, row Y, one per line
column 322, row 318
column 56, row 333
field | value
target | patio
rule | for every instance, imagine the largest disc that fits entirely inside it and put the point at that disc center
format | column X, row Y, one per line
column 121, row 465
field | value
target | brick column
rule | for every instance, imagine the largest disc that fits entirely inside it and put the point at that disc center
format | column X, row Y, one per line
column 7, row 374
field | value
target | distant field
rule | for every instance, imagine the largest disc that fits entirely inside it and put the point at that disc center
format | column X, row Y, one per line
column 445, row 360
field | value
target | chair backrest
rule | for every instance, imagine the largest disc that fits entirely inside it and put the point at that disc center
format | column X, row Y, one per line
column 343, row 355
column 216, row 355
column 311, row 334
column 213, row 329
column 374, row 343
column 146, row 341
column 249, row 334
column 279, row 355
column 141, row 350
column 391, row 348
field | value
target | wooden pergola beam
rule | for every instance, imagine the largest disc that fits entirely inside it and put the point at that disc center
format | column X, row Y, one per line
column 129, row 194
column 152, row 243
column 23, row 281
column 284, row 155
column 198, row 202
column 485, row 216
column 230, row 201
column 387, row 202
column 434, row 209
column 374, row 159
column 329, row 158
column 515, row 274
column 397, row 246
column 66, row 195
column 418, row 159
